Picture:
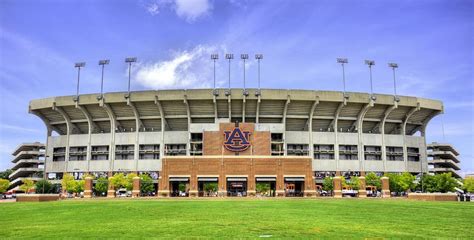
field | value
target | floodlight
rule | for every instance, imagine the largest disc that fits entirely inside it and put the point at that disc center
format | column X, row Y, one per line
column 342, row 60
column 104, row 62
column 130, row 59
column 229, row 56
column 370, row 62
column 244, row 56
column 214, row 57
column 393, row 65
column 259, row 57
column 80, row 64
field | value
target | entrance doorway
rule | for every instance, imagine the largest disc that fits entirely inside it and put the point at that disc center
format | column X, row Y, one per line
column 207, row 186
column 179, row 186
column 237, row 187
column 265, row 186
column 294, row 186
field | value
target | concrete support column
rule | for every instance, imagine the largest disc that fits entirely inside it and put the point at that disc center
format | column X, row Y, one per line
column 362, row 190
column 136, row 187
column 337, row 187
column 88, row 187
column 251, row 188
column 111, row 189
column 385, row 187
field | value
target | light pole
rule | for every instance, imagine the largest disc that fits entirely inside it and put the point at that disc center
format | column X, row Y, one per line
column 258, row 57
column 393, row 66
column 214, row 57
column 78, row 65
column 229, row 56
column 244, row 57
column 371, row 63
column 102, row 63
column 129, row 60
column 343, row 61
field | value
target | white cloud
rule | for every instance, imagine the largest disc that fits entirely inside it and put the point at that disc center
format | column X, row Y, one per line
column 190, row 10
column 153, row 8
column 187, row 69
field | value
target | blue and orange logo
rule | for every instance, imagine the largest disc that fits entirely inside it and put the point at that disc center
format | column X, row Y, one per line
column 237, row 140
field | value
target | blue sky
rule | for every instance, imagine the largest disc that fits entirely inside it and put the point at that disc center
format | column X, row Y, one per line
column 432, row 41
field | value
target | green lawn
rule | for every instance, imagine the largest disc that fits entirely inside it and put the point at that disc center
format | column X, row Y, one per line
column 237, row 218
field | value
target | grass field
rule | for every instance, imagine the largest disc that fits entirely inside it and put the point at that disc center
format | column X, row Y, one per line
column 237, row 218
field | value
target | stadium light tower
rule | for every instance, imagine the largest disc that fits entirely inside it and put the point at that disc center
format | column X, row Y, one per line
column 393, row 66
column 371, row 63
column 258, row 57
column 229, row 56
column 214, row 57
column 102, row 63
column 244, row 57
column 343, row 61
column 78, row 65
column 129, row 60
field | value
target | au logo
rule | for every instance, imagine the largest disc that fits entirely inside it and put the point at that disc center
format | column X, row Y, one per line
column 237, row 140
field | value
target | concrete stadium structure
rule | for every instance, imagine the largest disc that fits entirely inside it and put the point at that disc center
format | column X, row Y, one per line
column 28, row 160
column 295, row 137
column 443, row 158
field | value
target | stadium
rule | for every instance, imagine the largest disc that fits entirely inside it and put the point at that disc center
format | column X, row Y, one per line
column 235, row 138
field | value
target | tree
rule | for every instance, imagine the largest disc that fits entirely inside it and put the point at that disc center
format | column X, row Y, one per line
column 43, row 186
column 68, row 183
column 371, row 179
column 118, row 181
column 439, row 183
column 328, row 184
column 406, row 181
column 430, row 183
column 446, row 183
column 146, row 184
column 28, row 184
column 260, row 187
column 5, row 174
column 354, row 183
column 79, row 186
column 212, row 187
column 101, row 186
column 129, row 180
column 393, row 181
column 469, row 184
column 4, row 184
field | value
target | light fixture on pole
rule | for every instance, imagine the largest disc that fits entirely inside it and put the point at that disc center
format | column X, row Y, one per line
column 129, row 60
column 343, row 61
column 371, row 63
column 393, row 66
column 102, row 63
column 258, row 57
column 244, row 57
column 214, row 57
column 229, row 56
column 78, row 65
